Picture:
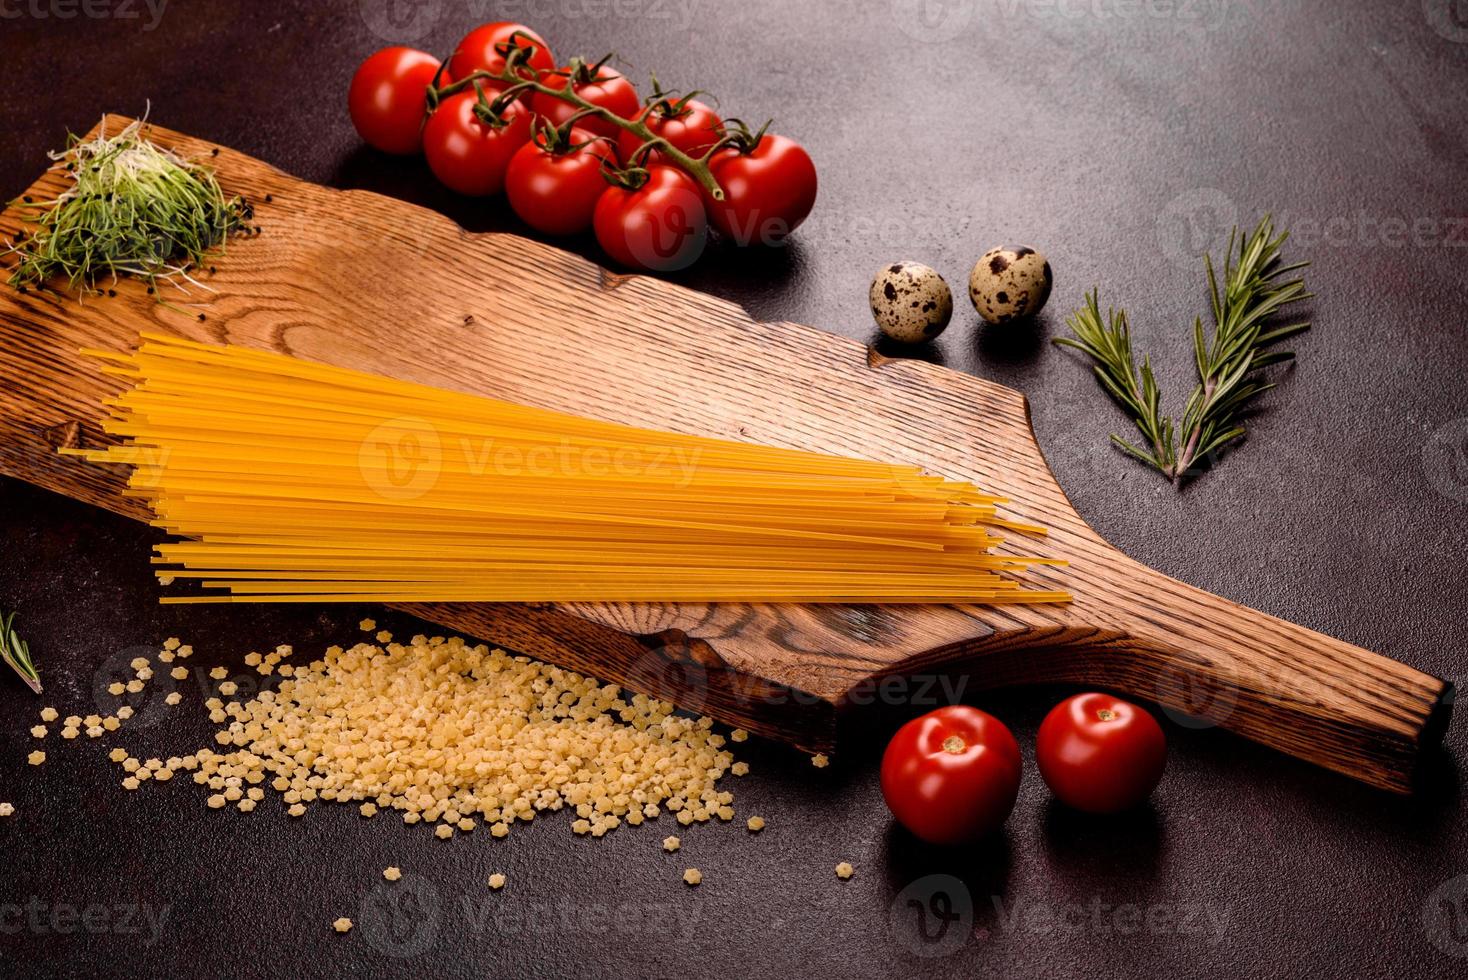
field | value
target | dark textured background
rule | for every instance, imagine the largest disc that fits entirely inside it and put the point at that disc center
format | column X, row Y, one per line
column 1121, row 139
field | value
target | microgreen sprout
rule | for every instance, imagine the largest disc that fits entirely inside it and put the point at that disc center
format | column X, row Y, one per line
column 133, row 208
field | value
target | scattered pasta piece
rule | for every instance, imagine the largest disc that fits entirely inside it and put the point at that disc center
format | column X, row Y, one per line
column 172, row 643
column 7, row 809
column 49, row 713
column 671, row 844
column 179, row 673
column 738, row 735
column 443, row 831
column 36, row 758
column 367, row 625
column 693, row 876
column 116, row 689
column 392, row 873
column 343, row 925
column 38, row 731
column 496, row 881
column 819, row 760
column 219, row 673
column 844, row 870
column 755, row 824
column 173, row 698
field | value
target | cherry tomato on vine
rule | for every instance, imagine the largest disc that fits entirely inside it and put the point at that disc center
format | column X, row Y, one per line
column 660, row 225
column 388, row 98
column 1099, row 753
column 597, row 84
column 557, row 192
column 768, row 191
column 951, row 776
column 693, row 128
column 467, row 154
column 480, row 51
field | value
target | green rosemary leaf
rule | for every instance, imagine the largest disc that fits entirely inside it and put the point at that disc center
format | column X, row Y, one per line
column 1252, row 289
column 15, row 652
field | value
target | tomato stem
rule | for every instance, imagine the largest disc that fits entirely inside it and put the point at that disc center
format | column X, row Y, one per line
column 954, row 745
column 513, row 75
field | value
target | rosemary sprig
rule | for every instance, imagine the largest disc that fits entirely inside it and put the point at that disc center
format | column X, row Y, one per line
column 15, row 652
column 1254, row 289
column 133, row 208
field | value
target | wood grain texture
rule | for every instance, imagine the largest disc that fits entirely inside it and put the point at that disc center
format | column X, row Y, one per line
column 368, row 282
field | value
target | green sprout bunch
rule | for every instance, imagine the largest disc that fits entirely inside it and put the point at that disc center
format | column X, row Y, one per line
column 132, row 208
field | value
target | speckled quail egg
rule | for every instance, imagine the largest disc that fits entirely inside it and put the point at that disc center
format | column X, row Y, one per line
column 1009, row 284
column 910, row 302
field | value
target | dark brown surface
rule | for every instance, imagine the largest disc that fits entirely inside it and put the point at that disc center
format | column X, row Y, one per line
column 1092, row 138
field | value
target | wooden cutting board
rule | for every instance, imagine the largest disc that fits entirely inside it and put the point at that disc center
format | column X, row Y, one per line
column 364, row 281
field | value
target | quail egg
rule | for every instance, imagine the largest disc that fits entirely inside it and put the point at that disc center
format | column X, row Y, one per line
column 910, row 302
column 1009, row 284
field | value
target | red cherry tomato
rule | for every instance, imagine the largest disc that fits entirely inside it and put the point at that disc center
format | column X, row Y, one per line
column 478, row 51
column 693, row 130
column 388, row 98
column 951, row 776
column 468, row 155
column 1099, row 753
column 606, row 88
column 659, row 226
column 557, row 192
column 767, row 192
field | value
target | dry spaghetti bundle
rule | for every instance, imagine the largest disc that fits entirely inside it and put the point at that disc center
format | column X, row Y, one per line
column 292, row 481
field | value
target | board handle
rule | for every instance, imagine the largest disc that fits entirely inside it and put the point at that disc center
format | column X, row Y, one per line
column 1209, row 661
